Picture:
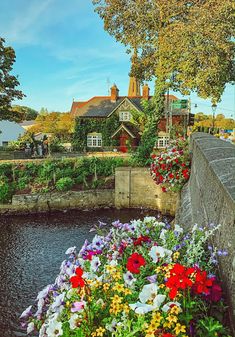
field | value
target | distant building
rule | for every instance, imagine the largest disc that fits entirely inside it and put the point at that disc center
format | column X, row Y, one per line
column 9, row 131
column 105, row 106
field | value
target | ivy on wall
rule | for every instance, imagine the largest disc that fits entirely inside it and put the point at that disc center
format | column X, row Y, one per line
column 106, row 126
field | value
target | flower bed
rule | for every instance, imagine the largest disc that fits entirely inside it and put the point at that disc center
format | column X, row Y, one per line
column 143, row 278
column 171, row 167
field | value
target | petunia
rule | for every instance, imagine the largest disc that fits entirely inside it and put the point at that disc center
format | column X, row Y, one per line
column 74, row 321
column 30, row 327
column 129, row 278
column 95, row 263
column 78, row 306
column 54, row 328
column 157, row 252
column 27, row 312
column 71, row 250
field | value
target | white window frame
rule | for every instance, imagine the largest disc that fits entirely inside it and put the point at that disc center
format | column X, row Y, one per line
column 94, row 140
column 124, row 116
column 162, row 142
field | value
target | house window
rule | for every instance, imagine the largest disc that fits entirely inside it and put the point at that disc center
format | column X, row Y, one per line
column 5, row 143
column 162, row 142
column 124, row 116
column 94, row 140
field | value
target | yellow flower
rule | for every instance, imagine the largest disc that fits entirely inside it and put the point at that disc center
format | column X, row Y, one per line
column 116, row 299
column 161, row 285
column 179, row 328
column 100, row 331
column 176, row 255
column 168, row 324
column 117, row 276
column 127, row 292
column 175, row 310
column 126, row 308
column 154, row 325
column 156, row 317
column 172, row 319
column 118, row 287
column 158, row 269
column 67, row 304
column 110, row 269
column 106, row 286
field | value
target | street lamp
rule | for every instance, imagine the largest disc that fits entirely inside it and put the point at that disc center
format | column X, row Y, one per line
column 214, row 106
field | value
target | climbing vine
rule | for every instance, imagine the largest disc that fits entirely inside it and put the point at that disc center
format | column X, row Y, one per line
column 106, row 126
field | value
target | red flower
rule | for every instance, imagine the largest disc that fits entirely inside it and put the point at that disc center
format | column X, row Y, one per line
column 164, row 189
column 77, row 280
column 141, row 239
column 167, row 335
column 154, row 156
column 179, row 279
column 134, row 262
column 202, row 283
column 215, row 292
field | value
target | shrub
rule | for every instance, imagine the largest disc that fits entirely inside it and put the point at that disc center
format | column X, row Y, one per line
column 64, row 184
column 5, row 190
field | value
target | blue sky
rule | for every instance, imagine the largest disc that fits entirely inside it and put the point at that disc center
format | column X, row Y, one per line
column 63, row 53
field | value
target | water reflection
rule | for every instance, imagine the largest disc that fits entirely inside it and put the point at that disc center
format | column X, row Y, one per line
column 31, row 251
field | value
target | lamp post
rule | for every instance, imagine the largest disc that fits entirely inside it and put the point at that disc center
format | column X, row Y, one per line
column 214, row 106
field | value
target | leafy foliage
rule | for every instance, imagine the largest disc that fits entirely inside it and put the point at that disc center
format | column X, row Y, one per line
column 64, row 184
column 25, row 112
column 186, row 45
column 8, row 84
column 147, row 120
column 105, row 126
column 48, row 175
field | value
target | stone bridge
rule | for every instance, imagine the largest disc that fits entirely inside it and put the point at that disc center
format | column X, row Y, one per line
column 209, row 197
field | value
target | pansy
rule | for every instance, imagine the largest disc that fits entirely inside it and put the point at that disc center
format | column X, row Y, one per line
column 78, row 306
column 74, row 321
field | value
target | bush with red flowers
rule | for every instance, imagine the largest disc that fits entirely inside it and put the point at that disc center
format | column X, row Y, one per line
column 171, row 167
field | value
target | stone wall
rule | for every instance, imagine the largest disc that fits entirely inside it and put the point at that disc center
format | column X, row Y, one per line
column 134, row 187
column 33, row 203
column 209, row 197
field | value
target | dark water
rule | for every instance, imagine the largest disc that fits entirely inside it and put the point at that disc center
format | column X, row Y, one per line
column 31, row 251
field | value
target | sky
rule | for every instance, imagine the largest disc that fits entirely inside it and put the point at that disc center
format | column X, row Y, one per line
column 63, row 53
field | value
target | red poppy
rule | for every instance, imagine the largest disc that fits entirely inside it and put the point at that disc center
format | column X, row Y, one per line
column 77, row 280
column 134, row 262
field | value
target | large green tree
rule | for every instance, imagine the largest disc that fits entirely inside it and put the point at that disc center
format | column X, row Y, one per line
column 185, row 45
column 8, row 84
column 25, row 112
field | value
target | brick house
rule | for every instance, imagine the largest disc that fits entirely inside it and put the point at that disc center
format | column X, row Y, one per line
column 103, row 107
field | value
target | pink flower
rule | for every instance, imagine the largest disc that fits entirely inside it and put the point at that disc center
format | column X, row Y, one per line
column 78, row 306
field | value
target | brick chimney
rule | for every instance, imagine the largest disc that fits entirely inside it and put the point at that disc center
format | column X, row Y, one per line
column 114, row 93
column 146, row 92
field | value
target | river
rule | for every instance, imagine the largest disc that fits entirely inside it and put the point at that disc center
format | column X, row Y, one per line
column 32, row 249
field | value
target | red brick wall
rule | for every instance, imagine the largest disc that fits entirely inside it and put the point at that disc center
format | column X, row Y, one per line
column 176, row 120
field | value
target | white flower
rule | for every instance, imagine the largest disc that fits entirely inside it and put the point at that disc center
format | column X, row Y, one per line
column 30, row 327
column 178, row 229
column 42, row 331
column 95, row 263
column 141, row 308
column 54, row 328
column 71, row 250
column 129, row 278
column 166, row 307
column 157, row 252
column 149, row 219
column 73, row 322
column 162, row 234
column 148, row 292
column 27, row 312
column 44, row 292
column 56, row 305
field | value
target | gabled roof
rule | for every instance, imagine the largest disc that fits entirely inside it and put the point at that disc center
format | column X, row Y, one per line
column 102, row 106
column 129, row 128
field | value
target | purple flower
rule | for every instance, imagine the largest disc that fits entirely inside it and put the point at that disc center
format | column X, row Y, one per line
column 152, row 279
column 222, row 253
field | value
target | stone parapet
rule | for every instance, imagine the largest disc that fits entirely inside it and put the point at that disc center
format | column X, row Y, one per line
column 209, row 197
